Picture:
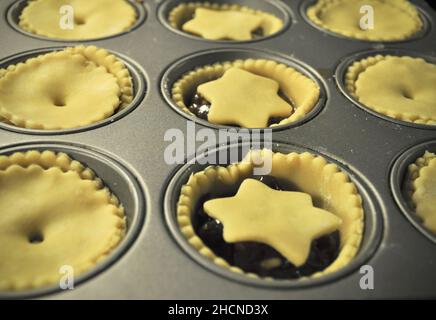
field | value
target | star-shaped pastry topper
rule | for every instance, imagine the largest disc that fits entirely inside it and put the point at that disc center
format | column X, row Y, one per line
column 284, row 220
column 223, row 24
column 244, row 98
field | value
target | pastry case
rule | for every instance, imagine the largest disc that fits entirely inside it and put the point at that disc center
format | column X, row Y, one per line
column 178, row 149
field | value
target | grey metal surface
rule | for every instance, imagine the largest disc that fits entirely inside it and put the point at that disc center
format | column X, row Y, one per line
column 154, row 266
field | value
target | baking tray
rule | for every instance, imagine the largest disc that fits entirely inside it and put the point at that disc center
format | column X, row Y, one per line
column 154, row 262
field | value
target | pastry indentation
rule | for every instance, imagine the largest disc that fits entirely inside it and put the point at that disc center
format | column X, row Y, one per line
column 66, row 217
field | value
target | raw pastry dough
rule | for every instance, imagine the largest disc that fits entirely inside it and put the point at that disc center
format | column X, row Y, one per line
column 402, row 88
column 92, row 19
column 310, row 174
column 285, row 220
column 422, row 184
column 222, row 25
column 215, row 21
column 393, row 19
column 53, row 212
column 301, row 90
column 65, row 89
column 243, row 98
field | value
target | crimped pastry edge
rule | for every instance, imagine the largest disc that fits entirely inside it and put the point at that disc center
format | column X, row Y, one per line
column 201, row 183
column 412, row 183
column 267, row 68
column 323, row 5
column 99, row 56
column 175, row 17
column 25, row 24
column 49, row 159
column 358, row 67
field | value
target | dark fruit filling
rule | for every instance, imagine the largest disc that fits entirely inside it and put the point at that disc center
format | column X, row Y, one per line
column 199, row 106
column 259, row 258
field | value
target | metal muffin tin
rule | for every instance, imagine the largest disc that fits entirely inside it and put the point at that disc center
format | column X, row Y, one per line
column 151, row 263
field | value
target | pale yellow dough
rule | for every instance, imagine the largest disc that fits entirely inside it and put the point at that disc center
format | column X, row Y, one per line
column 393, row 19
column 76, row 220
column 302, row 91
column 215, row 21
column 331, row 190
column 243, row 98
column 402, row 88
column 65, row 89
column 422, row 185
column 285, row 220
column 92, row 18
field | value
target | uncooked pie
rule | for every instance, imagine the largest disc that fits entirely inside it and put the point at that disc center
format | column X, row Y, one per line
column 400, row 87
column 303, row 219
column 64, row 89
column 391, row 20
column 421, row 189
column 252, row 93
column 88, row 20
column 215, row 21
column 54, row 212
